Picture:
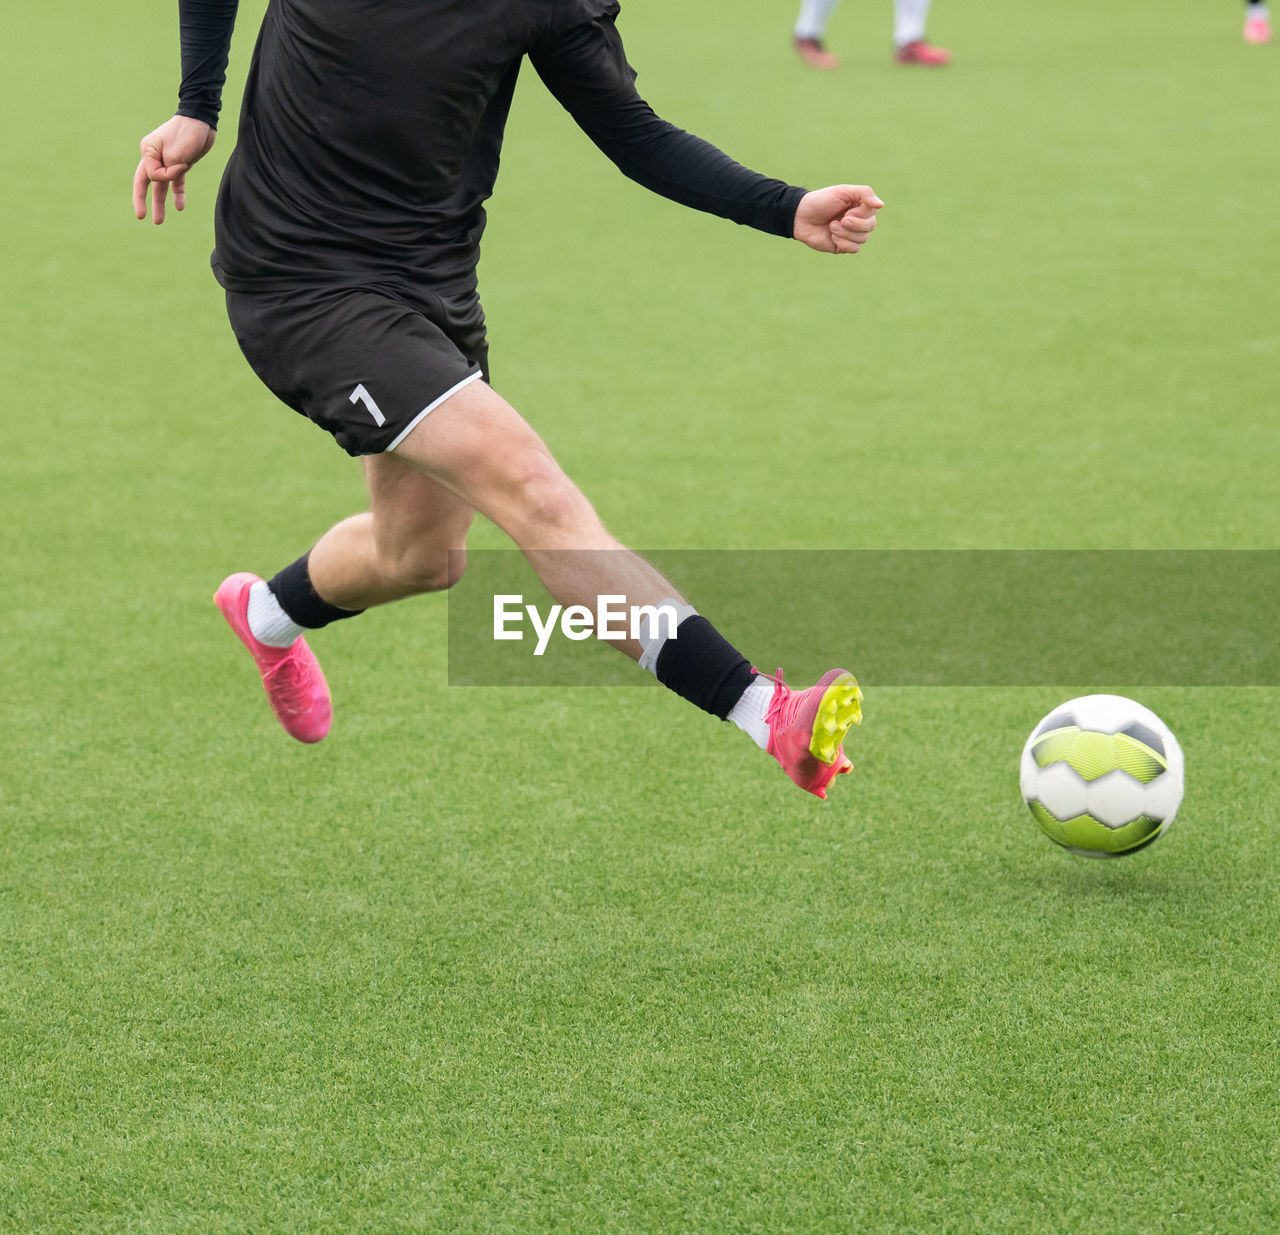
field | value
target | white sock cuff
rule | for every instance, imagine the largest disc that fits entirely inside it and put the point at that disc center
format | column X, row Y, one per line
column 657, row 627
column 268, row 622
column 750, row 711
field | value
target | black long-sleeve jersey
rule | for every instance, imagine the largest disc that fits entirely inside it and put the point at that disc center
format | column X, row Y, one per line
column 371, row 131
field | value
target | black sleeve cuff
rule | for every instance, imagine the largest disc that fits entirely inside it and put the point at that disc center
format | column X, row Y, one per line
column 210, row 117
column 787, row 208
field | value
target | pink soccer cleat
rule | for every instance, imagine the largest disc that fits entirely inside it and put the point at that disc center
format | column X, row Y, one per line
column 295, row 686
column 920, row 52
column 814, row 53
column 807, row 728
column 1257, row 30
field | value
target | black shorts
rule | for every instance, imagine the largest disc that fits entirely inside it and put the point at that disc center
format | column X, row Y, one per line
column 360, row 362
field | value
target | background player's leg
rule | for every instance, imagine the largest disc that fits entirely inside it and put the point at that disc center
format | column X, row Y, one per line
column 909, row 20
column 811, row 23
column 400, row 547
column 1257, row 22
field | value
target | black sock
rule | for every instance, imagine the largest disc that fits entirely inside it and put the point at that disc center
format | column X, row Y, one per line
column 292, row 588
column 700, row 665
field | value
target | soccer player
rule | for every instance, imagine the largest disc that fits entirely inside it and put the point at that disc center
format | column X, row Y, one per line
column 347, row 233
column 1257, row 22
column 910, row 45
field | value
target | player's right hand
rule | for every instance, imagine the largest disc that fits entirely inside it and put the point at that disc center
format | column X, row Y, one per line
column 167, row 153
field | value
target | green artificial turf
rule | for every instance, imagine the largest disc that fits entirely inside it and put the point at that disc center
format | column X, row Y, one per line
column 560, row 959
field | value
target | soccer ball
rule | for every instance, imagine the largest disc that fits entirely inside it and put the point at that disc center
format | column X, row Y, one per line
column 1102, row 776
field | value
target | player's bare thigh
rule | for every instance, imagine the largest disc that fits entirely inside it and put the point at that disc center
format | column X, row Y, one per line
column 470, row 452
column 479, row 448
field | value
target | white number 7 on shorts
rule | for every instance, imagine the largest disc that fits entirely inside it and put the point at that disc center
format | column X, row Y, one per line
column 361, row 395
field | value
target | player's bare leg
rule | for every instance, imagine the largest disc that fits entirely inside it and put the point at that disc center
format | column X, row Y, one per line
column 403, row 545
column 477, row 446
column 410, row 541
column 474, row 452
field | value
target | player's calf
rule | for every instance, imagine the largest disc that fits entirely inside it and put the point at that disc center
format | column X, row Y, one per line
column 419, row 571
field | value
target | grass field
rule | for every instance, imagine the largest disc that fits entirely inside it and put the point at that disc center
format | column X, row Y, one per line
column 534, row 959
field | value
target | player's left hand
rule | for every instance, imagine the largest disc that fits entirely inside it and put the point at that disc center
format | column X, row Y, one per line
column 837, row 220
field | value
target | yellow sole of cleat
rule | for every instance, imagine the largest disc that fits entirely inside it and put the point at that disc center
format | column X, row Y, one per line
column 838, row 711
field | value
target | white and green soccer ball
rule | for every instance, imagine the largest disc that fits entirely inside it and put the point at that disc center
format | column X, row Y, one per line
column 1102, row 775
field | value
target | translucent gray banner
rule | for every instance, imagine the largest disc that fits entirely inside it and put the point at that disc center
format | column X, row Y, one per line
column 896, row 617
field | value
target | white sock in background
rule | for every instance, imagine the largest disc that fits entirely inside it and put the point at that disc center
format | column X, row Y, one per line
column 812, row 22
column 909, row 20
column 268, row 623
column 749, row 712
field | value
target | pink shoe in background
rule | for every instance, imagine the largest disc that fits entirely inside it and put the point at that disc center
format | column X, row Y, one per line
column 1257, row 30
column 815, row 53
column 920, row 52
